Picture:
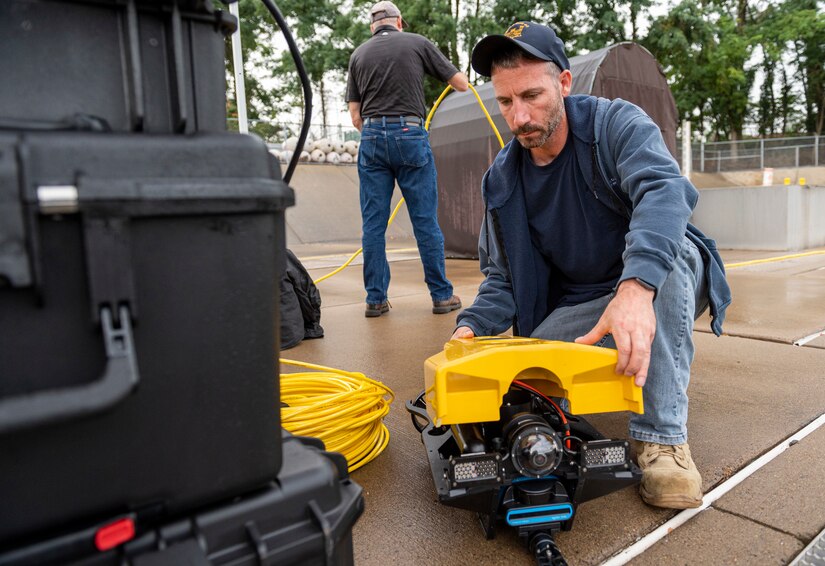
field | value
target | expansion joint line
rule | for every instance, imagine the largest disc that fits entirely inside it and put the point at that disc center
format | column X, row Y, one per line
column 683, row 517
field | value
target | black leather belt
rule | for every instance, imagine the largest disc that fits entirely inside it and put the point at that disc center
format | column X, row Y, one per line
column 413, row 120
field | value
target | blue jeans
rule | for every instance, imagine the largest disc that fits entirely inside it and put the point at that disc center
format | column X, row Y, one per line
column 678, row 303
column 399, row 151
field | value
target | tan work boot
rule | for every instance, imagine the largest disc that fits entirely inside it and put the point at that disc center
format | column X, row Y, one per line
column 670, row 478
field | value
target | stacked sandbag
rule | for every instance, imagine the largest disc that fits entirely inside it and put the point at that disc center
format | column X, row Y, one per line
column 351, row 147
column 320, row 151
column 317, row 156
column 324, row 145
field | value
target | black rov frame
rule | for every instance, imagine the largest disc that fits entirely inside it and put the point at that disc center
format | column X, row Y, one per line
column 529, row 470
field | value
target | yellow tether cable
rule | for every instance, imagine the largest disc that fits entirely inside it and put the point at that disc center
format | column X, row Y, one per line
column 345, row 409
column 398, row 206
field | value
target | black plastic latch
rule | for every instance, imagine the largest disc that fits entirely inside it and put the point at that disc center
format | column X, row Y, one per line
column 15, row 268
column 326, row 529
column 119, row 378
column 109, row 264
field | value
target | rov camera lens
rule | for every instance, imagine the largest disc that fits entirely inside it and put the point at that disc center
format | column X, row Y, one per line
column 536, row 450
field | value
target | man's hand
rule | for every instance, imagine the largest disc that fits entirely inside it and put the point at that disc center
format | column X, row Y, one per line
column 355, row 114
column 462, row 332
column 459, row 82
column 631, row 320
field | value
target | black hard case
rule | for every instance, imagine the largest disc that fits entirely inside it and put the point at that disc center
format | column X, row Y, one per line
column 137, row 324
column 303, row 518
column 153, row 66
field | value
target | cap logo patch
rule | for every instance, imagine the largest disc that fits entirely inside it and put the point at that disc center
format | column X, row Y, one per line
column 515, row 30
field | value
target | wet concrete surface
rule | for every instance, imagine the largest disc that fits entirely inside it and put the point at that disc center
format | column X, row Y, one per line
column 780, row 494
column 748, row 392
column 817, row 343
column 782, row 301
column 708, row 535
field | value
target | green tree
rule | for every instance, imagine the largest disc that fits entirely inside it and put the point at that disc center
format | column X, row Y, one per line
column 258, row 31
column 802, row 27
column 604, row 24
column 704, row 50
column 705, row 47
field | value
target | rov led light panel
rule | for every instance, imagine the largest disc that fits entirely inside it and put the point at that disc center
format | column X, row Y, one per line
column 604, row 454
column 472, row 469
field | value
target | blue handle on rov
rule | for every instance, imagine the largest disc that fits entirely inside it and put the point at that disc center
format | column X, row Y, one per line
column 539, row 514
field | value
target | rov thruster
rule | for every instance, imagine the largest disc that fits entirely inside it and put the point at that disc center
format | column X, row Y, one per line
column 500, row 444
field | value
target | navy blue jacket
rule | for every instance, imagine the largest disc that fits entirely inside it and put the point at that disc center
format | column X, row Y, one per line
column 621, row 152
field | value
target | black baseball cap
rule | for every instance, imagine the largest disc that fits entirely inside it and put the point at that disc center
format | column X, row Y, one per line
column 538, row 40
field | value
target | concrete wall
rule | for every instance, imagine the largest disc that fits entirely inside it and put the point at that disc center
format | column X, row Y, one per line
column 749, row 218
column 763, row 218
column 327, row 206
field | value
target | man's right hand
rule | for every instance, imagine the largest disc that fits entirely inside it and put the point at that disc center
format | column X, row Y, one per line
column 463, row 332
column 459, row 82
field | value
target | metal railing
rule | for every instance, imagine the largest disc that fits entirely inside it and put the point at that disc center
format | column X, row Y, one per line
column 793, row 152
column 711, row 157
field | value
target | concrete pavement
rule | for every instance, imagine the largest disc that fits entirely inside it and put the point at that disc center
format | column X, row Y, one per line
column 750, row 389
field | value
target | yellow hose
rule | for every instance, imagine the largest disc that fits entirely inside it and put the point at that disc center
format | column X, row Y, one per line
column 398, row 206
column 343, row 409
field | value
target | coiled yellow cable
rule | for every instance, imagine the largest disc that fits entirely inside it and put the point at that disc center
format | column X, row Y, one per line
column 343, row 409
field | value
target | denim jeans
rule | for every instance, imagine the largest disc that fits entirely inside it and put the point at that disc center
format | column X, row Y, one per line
column 391, row 152
column 678, row 303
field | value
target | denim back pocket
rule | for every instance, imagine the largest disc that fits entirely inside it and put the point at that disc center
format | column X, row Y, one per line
column 414, row 150
column 366, row 150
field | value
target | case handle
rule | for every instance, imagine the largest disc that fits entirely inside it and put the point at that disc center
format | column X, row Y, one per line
column 119, row 378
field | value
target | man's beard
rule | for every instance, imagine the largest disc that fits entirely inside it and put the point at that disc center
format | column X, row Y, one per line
column 552, row 119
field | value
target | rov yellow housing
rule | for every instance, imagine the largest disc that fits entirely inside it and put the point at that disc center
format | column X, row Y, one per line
column 465, row 383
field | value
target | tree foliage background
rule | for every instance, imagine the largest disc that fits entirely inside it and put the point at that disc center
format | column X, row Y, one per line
column 713, row 52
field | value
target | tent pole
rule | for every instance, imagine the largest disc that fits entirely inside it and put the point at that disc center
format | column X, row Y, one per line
column 687, row 157
column 237, row 63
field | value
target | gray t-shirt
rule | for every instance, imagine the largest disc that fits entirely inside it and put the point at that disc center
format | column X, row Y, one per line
column 386, row 73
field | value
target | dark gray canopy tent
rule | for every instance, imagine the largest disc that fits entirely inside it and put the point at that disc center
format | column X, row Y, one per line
column 464, row 145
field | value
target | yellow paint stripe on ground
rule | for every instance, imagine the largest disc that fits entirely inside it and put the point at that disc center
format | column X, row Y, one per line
column 727, row 265
column 330, row 256
column 772, row 259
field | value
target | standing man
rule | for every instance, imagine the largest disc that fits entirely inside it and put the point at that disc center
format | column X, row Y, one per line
column 385, row 93
column 586, row 239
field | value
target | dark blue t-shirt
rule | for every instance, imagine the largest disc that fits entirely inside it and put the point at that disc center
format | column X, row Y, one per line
column 581, row 238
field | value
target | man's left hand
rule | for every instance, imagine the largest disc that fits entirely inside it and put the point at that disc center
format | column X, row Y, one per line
column 629, row 317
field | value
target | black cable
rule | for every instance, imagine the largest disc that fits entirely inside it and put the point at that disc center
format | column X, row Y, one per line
column 570, row 451
column 302, row 73
column 419, row 402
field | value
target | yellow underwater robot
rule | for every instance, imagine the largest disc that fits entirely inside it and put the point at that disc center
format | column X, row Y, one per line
column 498, row 418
